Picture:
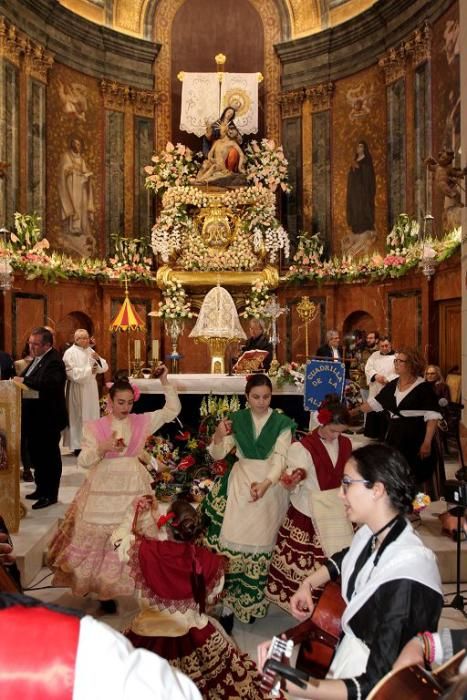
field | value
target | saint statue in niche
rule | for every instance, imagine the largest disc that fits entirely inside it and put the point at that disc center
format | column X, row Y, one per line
column 361, row 190
column 75, row 189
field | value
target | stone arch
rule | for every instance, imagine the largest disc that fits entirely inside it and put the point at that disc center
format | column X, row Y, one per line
column 165, row 12
column 358, row 320
column 65, row 328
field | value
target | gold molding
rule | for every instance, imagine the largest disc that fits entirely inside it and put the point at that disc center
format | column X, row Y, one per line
column 291, row 103
column 195, row 278
column 394, row 64
column 320, row 96
column 163, row 20
column 37, row 61
column 15, row 46
column 118, row 97
column 418, row 45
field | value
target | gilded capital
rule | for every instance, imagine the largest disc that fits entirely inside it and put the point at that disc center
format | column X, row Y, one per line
column 418, row 45
column 291, row 103
column 394, row 64
column 320, row 96
column 37, row 61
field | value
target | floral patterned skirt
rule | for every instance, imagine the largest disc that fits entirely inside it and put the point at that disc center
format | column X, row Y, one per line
column 296, row 555
column 214, row 664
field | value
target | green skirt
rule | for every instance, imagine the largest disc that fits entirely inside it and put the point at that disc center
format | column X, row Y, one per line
column 247, row 574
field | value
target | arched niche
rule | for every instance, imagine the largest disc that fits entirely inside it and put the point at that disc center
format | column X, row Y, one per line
column 66, row 327
column 200, row 46
column 358, row 320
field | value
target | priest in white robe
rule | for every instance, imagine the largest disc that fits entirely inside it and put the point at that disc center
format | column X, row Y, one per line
column 82, row 365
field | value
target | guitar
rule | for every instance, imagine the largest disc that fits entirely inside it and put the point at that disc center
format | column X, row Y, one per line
column 318, row 638
column 415, row 683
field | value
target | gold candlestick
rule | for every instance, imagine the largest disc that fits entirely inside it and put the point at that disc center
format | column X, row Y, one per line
column 307, row 311
column 137, row 369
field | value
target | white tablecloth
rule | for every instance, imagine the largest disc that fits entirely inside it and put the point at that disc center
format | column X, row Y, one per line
column 208, row 383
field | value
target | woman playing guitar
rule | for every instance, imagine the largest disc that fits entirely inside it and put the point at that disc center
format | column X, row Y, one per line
column 389, row 580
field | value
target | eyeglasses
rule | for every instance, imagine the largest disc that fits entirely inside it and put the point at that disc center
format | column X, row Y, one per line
column 397, row 359
column 346, row 481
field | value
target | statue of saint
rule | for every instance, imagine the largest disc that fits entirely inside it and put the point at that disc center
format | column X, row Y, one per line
column 225, row 160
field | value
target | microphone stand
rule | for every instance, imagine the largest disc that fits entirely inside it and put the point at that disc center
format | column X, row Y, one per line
column 458, row 602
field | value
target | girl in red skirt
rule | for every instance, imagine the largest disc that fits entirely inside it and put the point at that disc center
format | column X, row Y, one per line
column 175, row 578
column 315, row 524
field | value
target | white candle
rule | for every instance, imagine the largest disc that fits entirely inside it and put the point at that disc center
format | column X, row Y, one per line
column 137, row 349
column 155, row 349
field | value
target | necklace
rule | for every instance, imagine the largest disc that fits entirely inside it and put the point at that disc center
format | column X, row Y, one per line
column 374, row 539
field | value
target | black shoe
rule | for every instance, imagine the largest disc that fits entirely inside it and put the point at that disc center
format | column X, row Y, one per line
column 227, row 622
column 28, row 475
column 109, row 607
column 34, row 496
column 44, row 503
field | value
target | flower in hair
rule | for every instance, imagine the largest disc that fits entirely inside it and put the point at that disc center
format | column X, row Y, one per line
column 324, row 416
column 249, row 377
column 420, row 502
column 164, row 519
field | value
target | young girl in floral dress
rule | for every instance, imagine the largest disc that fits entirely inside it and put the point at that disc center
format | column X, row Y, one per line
column 246, row 506
column 315, row 524
column 81, row 553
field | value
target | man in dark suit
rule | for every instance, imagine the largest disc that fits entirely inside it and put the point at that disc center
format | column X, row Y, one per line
column 258, row 340
column 44, row 414
column 331, row 350
column 7, row 366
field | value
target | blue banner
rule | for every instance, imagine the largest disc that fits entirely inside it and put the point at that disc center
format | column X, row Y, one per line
column 322, row 377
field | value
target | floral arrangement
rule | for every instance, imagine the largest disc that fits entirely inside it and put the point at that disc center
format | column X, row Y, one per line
column 420, row 502
column 324, row 416
column 214, row 409
column 174, row 303
column 310, row 249
column 172, row 167
column 255, row 207
column 266, row 165
column 403, row 235
column 374, row 266
column 257, row 300
column 290, row 373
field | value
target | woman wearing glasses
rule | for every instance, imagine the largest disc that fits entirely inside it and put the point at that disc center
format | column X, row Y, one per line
column 389, row 579
column 413, row 412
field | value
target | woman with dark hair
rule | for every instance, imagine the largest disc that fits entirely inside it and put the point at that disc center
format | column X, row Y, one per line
column 246, row 506
column 413, row 412
column 81, row 553
column 315, row 524
column 361, row 190
column 175, row 579
column 389, row 580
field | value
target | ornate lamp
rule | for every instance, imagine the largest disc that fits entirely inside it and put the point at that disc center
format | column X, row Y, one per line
column 126, row 321
column 428, row 262
column 218, row 325
column 307, row 311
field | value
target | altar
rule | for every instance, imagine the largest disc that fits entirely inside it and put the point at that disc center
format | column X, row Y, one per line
column 192, row 388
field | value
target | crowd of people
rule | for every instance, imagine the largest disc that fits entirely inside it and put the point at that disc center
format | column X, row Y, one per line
column 287, row 518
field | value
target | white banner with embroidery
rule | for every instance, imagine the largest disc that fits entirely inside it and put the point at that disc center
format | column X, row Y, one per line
column 200, row 102
column 240, row 91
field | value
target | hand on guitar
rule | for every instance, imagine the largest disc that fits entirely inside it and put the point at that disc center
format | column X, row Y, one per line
column 412, row 653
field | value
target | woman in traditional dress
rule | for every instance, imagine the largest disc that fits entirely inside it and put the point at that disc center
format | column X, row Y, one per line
column 246, row 506
column 315, row 524
column 413, row 415
column 175, row 578
column 389, row 580
column 81, row 553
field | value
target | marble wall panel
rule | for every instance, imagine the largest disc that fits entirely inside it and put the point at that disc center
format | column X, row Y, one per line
column 292, row 203
column 28, row 310
column 75, row 161
column 36, row 147
column 9, row 142
column 446, row 93
column 396, row 150
column 422, row 140
column 114, row 180
column 321, row 175
column 144, row 199
column 358, row 114
column 405, row 318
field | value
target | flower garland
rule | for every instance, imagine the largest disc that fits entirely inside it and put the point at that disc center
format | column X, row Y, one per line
column 172, row 167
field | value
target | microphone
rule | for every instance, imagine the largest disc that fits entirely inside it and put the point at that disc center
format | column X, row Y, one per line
column 443, row 402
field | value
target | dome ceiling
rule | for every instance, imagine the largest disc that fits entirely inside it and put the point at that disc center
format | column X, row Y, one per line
column 301, row 17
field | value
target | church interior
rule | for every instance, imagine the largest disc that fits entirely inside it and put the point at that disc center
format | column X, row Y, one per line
column 338, row 202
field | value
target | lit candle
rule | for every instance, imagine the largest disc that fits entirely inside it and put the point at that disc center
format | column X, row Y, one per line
column 155, row 349
column 137, row 349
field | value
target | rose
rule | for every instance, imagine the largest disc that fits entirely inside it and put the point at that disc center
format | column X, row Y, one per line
column 219, row 467
column 324, row 416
